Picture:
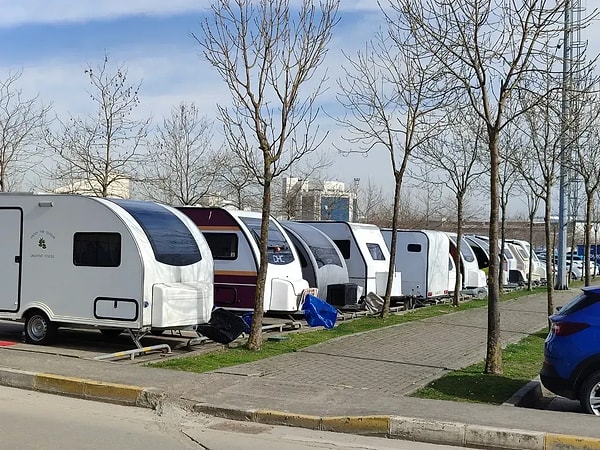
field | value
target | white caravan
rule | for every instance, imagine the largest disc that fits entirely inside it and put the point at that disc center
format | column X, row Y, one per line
column 472, row 276
column 322, row 262
column 365, row 253
column 538, row 269
column 233, row 236
column 481, row 248
column 112, row 264
column 422, row 258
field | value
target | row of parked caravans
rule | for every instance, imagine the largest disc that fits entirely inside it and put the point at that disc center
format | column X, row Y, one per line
column 125, row 264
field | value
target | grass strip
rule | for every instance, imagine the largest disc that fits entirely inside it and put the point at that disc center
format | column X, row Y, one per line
column 297, row 340
column 521, row 363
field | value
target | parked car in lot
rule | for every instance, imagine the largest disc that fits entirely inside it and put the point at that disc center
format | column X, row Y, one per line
column 571, row 365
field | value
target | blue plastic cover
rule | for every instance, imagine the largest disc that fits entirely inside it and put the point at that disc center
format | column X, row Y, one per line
column 319, row 313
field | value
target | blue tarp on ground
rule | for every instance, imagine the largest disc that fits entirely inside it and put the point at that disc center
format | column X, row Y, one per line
column 319, row 313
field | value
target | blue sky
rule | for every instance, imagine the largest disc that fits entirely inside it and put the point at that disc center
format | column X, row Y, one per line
column 52, row 41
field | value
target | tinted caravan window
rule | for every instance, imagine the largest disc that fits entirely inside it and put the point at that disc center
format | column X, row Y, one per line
column 222, row 245
column 171, row 240
column 97, row 249
column 375, row 251
column 278, row 250
column 344, row 246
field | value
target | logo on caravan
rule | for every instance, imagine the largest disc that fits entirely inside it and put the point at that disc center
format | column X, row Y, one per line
column 42, row 241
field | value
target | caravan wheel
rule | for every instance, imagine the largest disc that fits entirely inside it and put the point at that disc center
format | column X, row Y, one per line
column 39, row 329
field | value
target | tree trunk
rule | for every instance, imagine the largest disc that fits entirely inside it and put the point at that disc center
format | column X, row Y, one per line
column 255, row 338
column 385, row 311
column 459, row 228
column 493, row 361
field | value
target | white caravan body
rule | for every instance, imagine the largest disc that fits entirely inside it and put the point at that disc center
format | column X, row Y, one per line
column 515, row 273
column 521, row 259
column 481, row 248
column 366, row 255
column 322, row 262
column 233, row 236
column 451, row 274
column 538, row 269
column 106, row 263
column 422, row 259
column 472, row 276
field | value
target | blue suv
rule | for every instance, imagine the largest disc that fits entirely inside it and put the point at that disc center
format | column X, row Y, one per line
column 572, row 351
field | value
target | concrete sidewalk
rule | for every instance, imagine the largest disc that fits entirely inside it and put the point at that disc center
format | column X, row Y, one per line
column 356, row 384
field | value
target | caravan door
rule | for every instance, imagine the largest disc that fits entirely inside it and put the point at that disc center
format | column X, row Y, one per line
column 10, row 258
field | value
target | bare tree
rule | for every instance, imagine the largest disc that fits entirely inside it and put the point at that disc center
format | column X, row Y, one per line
column 486, row 49
column 181, row 166
column 391, row 96
column 532, row 200
column 236, row 184
column 98, row 152
column 373, row 205
column 21, row 119
column 267, row 55
column 454, row 155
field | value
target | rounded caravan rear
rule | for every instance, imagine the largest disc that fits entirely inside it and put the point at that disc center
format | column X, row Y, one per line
column 322, row 262
column 472, row 276
column 481, row 248
column 365, row 253
column 422, row 259
column 233, row 237
column 86, row 261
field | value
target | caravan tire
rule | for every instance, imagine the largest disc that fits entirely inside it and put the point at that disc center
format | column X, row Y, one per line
column 39, row 329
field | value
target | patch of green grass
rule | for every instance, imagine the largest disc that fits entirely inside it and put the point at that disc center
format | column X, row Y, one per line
column 521, row 362
column 298, row 340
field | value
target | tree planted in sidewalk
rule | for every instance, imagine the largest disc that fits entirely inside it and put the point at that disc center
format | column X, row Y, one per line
column 268, row 53
column 392, row 99
column 486, row 50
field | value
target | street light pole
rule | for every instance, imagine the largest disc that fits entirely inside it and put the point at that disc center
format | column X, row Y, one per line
column 355, row 201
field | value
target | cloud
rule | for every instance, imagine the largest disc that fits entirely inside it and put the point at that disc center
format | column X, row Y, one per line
column 60, row 11
column 26, row 12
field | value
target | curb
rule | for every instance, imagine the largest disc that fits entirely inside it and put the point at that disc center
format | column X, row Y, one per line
column 407, row 428
column 528, row 396
column 121, row 394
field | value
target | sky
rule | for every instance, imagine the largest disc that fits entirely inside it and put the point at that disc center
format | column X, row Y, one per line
column 52, row 41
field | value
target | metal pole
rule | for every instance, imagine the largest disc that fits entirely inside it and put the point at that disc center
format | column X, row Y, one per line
column 355, row 201
column 561, row 276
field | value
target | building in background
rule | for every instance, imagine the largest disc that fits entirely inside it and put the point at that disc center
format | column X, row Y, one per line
column 119, row 189
column 317, row 200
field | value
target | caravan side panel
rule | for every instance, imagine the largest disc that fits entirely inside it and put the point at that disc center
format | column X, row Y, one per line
column 67, row 273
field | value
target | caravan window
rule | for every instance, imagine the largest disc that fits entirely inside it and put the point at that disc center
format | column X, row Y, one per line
column 278, row 250
column 413, row 248
column 97, row 249
column 324, row 253
column 466, row 251
column 344, row 246
column 222, row 245
column 172, row 242
column 375, row 251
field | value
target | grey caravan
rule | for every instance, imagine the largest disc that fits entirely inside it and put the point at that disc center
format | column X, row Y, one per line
column 365, row 253
column 422, row 259
column 322, row 262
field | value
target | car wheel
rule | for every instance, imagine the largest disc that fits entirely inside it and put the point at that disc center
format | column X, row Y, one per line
column 39, row 329
column 589, row 395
